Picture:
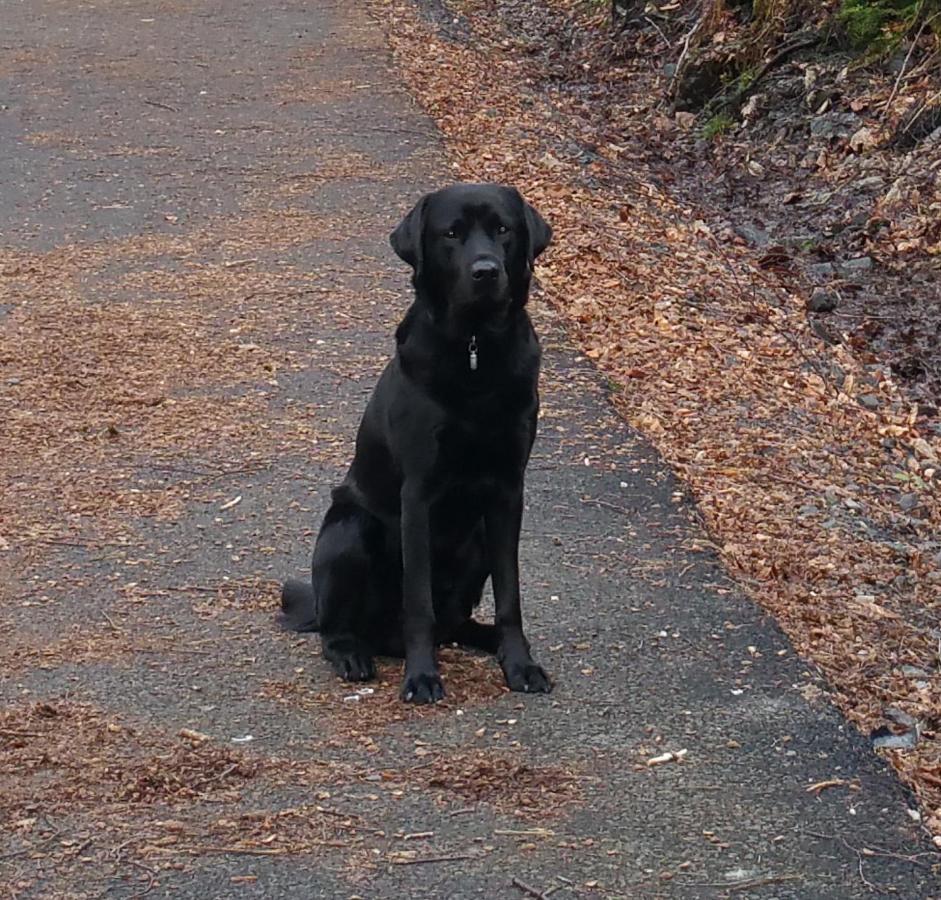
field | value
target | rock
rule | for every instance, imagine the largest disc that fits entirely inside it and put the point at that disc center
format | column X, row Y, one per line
column 908, row 501
column 755, row 236
column 822, row 126
column 831, row 125
column 872, row 183
column 857, row 219
column 884, row 739
column 914, row 672
column 822, row 301
column 798, row 241
column 864, row 139
column 860, row 264
column 900, row 190
column 870, row 401
column 822, row 270
column 924, row 449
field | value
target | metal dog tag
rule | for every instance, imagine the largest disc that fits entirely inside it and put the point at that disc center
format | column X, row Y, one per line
column 472, row 350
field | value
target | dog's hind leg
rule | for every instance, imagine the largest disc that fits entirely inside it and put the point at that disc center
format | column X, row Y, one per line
column 345, row 591
column 298, row 606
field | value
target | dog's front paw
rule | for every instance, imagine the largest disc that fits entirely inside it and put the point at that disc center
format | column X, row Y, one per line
column 355, row 667
column 423, row 687
column 527, row 677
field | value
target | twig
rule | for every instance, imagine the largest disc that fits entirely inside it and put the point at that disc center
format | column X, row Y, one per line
column 194, row 588
column 431, row 859
column 778, row 58
column 925, row 106
column 530, row 890
column 898, row 80
column 151, row 875
column 7, row 732
column 859, row 865
column 239, row 851
column 681, row 62
column 666, row 40
column 525, row 832
column 44, row 842
column 111, row 622
column 757, row 882
column 591, row 501
column 160, row 105
column 744, row 885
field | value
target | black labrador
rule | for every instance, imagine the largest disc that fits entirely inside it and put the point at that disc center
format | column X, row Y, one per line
column 432, row 503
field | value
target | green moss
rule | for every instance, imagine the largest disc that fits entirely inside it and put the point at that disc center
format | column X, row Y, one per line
column 879, row 25
column 717, row 125
column 745, row 79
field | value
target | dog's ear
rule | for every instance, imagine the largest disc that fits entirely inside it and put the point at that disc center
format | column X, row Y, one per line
column 538, row 230
column 406, row 240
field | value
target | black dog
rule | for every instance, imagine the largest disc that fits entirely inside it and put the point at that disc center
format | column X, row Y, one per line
column 432, row 504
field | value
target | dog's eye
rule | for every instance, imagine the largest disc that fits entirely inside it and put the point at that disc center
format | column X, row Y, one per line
column 450, row 233
column 502, row 229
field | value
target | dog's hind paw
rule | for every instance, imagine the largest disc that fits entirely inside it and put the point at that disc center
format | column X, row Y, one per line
column 527, row 678
column 425, row 687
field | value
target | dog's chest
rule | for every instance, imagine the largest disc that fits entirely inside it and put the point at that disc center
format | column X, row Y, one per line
column 482, row 448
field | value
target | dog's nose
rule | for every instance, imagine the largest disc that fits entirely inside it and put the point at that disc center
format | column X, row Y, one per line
column 484, row 270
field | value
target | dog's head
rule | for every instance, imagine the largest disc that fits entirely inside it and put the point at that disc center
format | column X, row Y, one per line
column 472, row 247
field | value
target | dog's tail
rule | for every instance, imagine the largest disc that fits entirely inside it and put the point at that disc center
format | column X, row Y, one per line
column 299, row 606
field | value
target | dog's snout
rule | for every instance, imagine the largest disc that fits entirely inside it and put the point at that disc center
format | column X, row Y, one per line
column 485, row 270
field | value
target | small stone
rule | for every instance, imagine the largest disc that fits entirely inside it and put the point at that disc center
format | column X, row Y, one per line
column 914, row 672
column 858, row 219
column 860, row 264
column 872, row 183
column 822, row 270
column 908, row 501
column 870, row 401
column 821, row 126
column 755, row 236
column 822, row 301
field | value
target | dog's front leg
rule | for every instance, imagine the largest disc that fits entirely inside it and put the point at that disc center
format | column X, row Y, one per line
column 503, row 519
column 422, row 683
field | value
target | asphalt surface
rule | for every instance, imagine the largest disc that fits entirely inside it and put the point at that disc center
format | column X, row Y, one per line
column 123, row 120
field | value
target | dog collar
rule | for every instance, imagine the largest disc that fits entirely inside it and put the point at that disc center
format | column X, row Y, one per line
column 472, row 352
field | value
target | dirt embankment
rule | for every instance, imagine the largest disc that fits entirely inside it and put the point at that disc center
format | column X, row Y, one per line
column 681, row 264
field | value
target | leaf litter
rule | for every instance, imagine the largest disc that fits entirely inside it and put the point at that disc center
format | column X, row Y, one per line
column 816, row 478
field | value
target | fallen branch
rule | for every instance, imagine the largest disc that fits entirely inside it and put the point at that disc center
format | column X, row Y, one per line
column 431, row 859
column 530, row 890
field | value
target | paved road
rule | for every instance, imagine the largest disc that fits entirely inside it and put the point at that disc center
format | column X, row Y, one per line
column 196, row 297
